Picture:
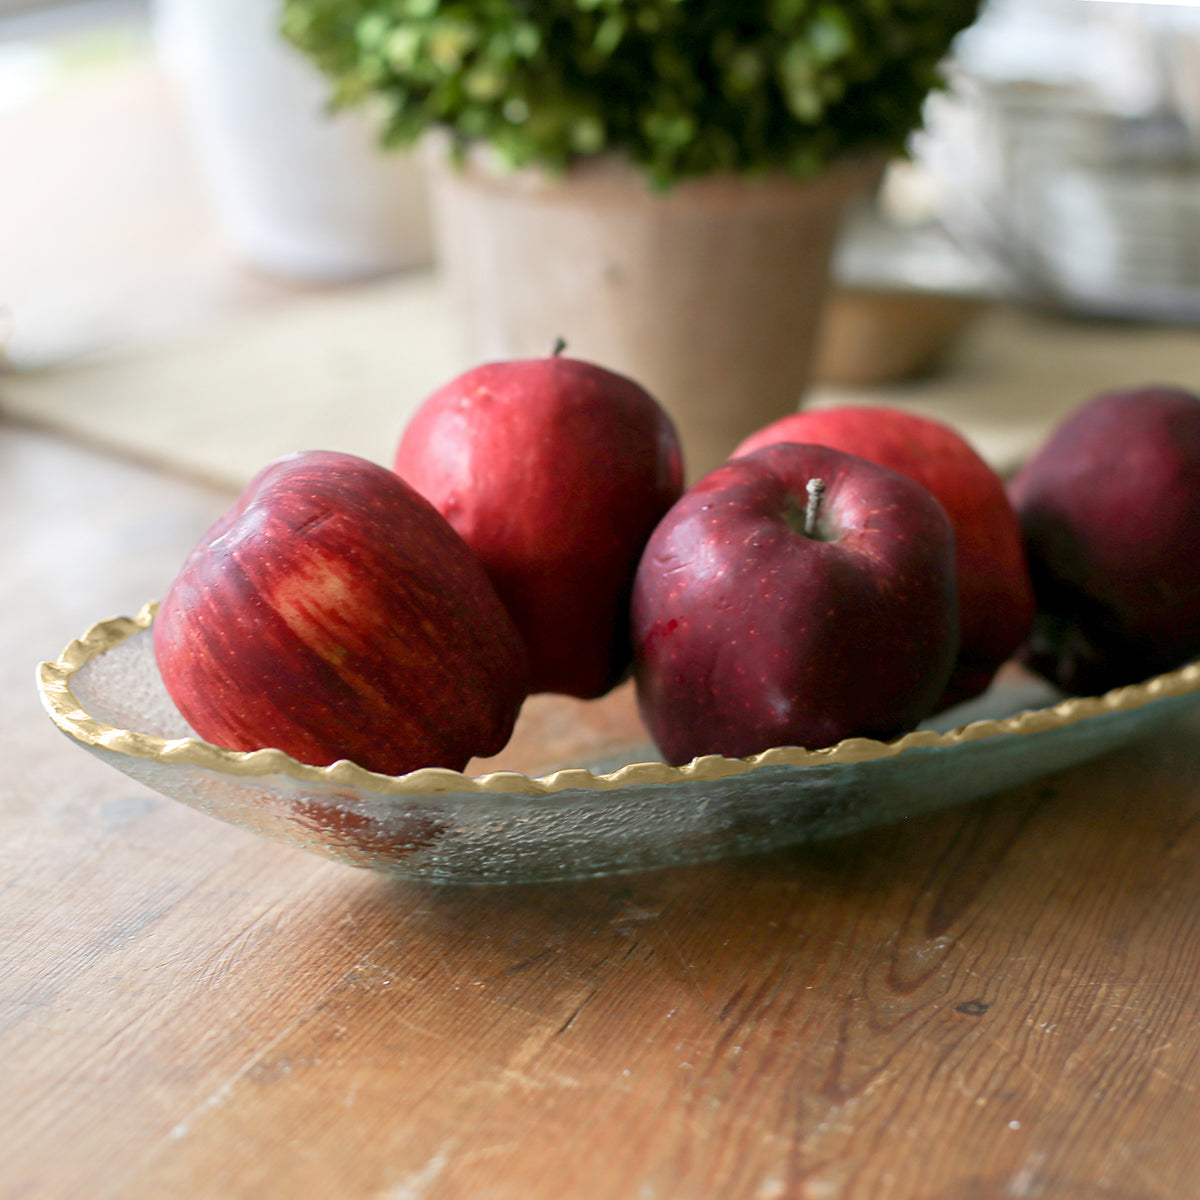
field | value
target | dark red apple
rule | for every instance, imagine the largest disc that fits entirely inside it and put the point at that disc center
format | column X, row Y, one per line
column 333, row 613
column 1110, row 509
column 994, row 590
column 554, row 471
column 771, row 609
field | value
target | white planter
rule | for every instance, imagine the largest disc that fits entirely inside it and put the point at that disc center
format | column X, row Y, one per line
column 301, row 194
column 709, row 294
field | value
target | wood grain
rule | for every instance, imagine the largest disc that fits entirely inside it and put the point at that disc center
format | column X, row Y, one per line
column 995, row 1001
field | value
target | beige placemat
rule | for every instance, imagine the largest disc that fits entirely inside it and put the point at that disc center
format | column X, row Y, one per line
column 338, row 370
column 343, row 370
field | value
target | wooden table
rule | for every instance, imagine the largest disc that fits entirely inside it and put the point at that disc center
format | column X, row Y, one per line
column 1002, row 1000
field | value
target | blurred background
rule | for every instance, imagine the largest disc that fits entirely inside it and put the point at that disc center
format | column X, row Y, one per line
column 188, row 242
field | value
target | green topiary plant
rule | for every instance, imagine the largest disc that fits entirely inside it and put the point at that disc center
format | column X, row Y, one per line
column 680, row 87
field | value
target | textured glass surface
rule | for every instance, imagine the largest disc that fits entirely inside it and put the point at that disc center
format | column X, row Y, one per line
column 440, row 825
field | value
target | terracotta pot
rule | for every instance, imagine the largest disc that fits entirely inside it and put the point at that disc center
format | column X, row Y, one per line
column 708, row 294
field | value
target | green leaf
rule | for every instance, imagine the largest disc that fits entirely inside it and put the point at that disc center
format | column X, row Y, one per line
column 448, row 42
column 609, row 34
column 786, row 14
column 800, row 82
column 402, row 47
column 829, row 34
column 587, row 135
column 744, row 72
column 372, row 31
column 526, row 39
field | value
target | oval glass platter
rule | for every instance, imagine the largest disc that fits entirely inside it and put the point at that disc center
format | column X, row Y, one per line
column 623, row 813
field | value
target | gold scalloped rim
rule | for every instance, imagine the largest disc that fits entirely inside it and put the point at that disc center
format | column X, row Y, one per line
column 55, row 679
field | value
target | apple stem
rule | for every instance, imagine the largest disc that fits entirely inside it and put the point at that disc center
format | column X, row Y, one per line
column 560, row 344
column 815, row 489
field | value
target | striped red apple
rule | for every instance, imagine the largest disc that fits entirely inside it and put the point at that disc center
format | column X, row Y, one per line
column 334, row 614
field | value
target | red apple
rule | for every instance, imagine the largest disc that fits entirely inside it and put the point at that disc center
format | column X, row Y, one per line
column 760, row 622
column 333, row 613
column 994, row 590
column 342, row 827
column 554, row 471
column 1110, row 508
